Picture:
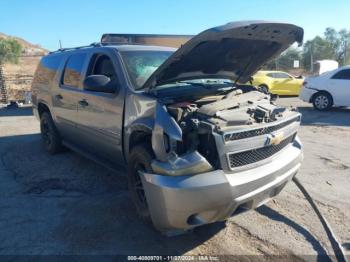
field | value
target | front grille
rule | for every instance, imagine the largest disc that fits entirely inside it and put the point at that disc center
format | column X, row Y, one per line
column 259, row 131
column 256, row 155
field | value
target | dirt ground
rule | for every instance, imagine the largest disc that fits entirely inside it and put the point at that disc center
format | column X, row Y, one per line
column 66, row 204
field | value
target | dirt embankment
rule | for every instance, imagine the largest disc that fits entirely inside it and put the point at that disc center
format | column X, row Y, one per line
column 18, row 77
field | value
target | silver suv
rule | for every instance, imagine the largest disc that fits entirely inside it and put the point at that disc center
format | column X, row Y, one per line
column 198, row 146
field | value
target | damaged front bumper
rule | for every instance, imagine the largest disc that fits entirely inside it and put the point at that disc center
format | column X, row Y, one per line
column 184, row 202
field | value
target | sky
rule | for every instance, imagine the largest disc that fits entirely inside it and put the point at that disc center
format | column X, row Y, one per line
column 81, row 22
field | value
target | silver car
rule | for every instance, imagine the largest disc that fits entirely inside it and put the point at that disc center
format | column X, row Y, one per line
column 198, row 146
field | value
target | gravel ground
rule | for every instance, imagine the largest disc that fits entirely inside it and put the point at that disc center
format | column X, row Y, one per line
column 66, row 204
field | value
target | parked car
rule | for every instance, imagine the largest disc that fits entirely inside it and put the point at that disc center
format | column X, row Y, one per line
column 195, row 151
column 277, row 82
column 327, row 90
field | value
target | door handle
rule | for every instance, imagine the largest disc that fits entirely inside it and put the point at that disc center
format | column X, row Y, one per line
column 83, row 102
column 59, row 97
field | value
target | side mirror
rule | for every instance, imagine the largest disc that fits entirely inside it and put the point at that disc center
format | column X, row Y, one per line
column 99, row 83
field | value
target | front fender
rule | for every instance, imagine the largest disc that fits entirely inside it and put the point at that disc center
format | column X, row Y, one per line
column 164, row 124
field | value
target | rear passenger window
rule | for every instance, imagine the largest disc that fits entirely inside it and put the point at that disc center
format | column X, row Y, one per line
column 72, row 72
column 343, row 74
column 47, row 69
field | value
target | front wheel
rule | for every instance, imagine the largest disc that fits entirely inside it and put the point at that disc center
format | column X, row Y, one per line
column 322, row 101
column 139, row 160
column 264, row 89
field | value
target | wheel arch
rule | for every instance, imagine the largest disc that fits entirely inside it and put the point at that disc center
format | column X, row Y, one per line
column 323, row 92
column 263, row 84
column 43, row 107
column 140, row 132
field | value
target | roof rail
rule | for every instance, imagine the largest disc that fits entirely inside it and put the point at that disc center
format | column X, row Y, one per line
column 145, row 39
column 134, row 39
column 76, row 48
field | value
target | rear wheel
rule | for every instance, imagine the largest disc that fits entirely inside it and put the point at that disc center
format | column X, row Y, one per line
column 139, row 161
column 322, row 101
column 49, row 134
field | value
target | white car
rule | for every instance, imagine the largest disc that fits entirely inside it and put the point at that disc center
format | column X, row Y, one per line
column 327, row 90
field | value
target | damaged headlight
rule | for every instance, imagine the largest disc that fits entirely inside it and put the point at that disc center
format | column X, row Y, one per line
column 187, row 164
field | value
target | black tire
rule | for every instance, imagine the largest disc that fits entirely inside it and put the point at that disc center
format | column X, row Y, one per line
column 264, row 89
column 49, row 134
column 139, row 159
column 322, row 101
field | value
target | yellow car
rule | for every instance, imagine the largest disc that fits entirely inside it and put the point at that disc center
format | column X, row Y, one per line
column 277, row 82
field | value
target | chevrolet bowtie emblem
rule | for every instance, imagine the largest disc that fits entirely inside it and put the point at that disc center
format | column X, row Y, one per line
column 275, row 139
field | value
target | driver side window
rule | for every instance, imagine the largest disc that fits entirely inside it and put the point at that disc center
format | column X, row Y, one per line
column 102, row 64
column 282, row 75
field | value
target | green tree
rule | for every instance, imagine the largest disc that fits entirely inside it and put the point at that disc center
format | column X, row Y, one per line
column 318, row 48
column 343, row 51
column 333, row 45
column 10, row 50
column 332, row 36
column 285, row 61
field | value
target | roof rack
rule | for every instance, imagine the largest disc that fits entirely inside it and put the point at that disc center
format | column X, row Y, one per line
column 145, row 39
column 76, row 48
column 134, row 39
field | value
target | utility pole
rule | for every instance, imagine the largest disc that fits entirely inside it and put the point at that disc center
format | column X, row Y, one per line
column 311, row 57
column 345, row 51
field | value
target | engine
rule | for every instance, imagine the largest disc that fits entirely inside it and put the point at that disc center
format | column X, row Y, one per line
column 201, row 118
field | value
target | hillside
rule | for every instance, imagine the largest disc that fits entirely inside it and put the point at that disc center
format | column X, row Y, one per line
column 28, row 48
column 18, row 77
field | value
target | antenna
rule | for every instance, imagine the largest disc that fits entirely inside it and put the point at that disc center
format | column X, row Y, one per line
column 60, row 43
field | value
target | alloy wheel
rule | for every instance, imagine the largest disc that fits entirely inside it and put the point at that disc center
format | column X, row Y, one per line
column 321, row 102
column 138, row 185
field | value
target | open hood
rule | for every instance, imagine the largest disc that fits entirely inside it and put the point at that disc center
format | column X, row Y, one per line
column 234, row 51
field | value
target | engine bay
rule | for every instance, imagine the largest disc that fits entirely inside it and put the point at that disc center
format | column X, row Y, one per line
column 239, row 109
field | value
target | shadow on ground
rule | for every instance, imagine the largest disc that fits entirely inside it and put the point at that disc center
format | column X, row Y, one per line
column 20, row 111
column 274, row 215
column 334, row 117
column 346, row 246
column 71, row 205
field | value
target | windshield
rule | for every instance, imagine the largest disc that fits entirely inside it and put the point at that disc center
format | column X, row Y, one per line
column 141, row 64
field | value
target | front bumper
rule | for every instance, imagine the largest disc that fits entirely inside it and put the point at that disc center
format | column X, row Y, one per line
column 306, row 94
column 183, row 202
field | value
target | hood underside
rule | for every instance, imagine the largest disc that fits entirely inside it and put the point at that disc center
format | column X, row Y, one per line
column 233, row 51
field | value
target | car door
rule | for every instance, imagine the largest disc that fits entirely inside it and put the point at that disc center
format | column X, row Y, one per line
column 100, row 114
column 284, row 84
column 339, row 87
column 65, row 95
